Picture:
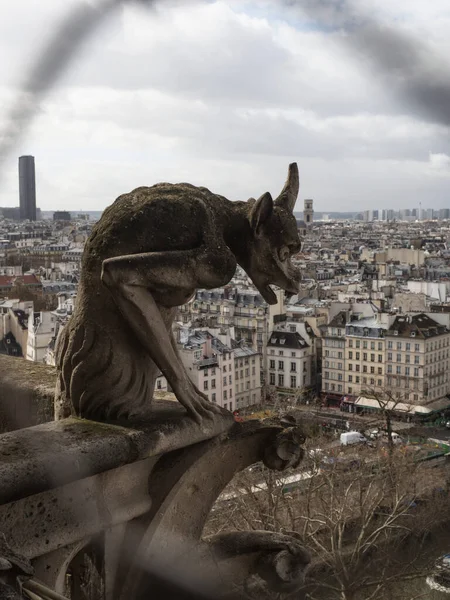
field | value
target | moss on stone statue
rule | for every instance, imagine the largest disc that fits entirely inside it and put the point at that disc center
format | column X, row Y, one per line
column 26, row 393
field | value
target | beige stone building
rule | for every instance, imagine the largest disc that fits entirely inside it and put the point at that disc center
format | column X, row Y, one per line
column 289, row 362
column 210, row 365
column 333, row 355
column 247, row 366
column 417, row 359
column 364, row 356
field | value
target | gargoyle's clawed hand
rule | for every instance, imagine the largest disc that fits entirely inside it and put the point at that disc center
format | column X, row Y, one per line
column 197, row 404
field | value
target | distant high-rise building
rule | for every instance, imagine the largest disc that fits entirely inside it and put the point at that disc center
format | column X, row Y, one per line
column 390, row 215
column 308, row 212
column 62, row 215
column 27, row 188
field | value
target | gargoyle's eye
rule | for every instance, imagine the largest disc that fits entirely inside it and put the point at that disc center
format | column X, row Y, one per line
column 295, row 248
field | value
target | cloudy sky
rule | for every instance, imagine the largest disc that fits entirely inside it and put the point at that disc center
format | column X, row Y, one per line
column 225, row 94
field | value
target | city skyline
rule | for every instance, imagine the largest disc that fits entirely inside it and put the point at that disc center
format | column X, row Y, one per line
column 292, row 85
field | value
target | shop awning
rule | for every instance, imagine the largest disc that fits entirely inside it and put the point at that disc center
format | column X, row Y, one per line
column 435, row 406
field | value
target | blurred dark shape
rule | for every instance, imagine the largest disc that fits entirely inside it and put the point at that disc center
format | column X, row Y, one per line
column 78, row 25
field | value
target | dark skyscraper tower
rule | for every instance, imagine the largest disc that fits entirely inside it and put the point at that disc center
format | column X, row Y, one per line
column 27, row 188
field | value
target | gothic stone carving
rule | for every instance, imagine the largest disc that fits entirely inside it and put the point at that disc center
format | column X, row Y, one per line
column 142, row 496
column 147, row 255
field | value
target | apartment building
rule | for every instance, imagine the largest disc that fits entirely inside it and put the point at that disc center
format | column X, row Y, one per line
column 14, row 326
column 313, row 354
column 333, row 355
column 41, row 330
column 241, row 308
column 210, row 365
column 289, row 360
column 247, row 367
column 364, row 356
column 417, row 359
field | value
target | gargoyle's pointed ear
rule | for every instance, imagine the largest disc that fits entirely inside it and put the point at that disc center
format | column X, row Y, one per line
column 289, row 193
column 261, row 211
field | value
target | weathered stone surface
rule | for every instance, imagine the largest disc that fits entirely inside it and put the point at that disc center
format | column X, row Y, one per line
column 26, row 393
column 38, row 458
column 143, row 493
column 147, row 255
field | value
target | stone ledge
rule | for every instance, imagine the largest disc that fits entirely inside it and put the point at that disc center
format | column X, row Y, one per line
column 50, row 455
column 26, row 393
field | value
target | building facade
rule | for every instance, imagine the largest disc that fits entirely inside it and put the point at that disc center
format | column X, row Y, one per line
column 247, row 367
column 210, row 365
column 364, row 357
column 417, row 359
column 41, row 331
column 333, row 355
column 289, row 363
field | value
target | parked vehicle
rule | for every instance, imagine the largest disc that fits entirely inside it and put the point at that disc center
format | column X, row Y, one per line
column 396, row 439
column 352, row 437
column 377, row 434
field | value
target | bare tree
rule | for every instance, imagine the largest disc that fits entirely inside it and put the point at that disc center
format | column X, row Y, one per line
column 366, row 517
column 389, row 406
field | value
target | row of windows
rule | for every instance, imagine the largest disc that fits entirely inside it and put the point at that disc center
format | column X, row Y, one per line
column 431, row 358
column 333, row 365
column 334, row 353
column 247, row 386
column 281, row 366
column 403, row 346
column 364, row 369
column 240, row 375
column 281, row 353
column 365, row 380
column 213, row 383
column 281, row 380
column 400, row 371
column 407, row 358
column 438, row 344
column 334, row 343
column 402, row 382
column 365, row 356
column 365, row 344
column 437, row 381
column 225, row 396
column 332, row 375
column 333, row 387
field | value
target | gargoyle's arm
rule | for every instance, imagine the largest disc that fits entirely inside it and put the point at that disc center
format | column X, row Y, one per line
column 170, row 277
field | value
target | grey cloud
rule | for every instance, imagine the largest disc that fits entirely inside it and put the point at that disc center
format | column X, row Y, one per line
column 51, row 62
column 409, row 69
column 200, row 128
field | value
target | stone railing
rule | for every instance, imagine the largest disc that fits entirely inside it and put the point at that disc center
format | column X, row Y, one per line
column 139, row 496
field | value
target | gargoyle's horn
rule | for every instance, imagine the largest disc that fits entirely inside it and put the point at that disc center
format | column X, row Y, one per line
column 289, row 193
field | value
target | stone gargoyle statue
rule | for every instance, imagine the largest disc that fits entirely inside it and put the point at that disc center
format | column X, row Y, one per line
column 147, row 255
